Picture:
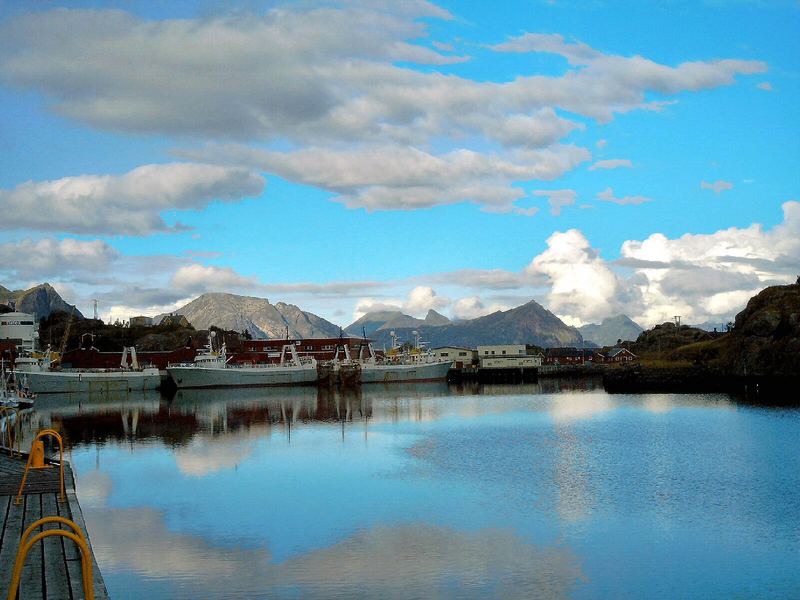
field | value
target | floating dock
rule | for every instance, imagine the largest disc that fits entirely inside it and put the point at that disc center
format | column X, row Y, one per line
column 53, row 567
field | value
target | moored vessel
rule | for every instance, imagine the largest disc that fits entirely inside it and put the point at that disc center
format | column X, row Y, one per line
column 214, row 369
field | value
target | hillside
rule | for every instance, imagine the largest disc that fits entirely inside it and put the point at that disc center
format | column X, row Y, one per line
column 527, row 324
column 41, row 301
column 256, row 315
column 610, row 330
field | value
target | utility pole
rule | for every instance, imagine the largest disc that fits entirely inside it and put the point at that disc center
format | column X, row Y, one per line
column 94, row 303
column 677, row 320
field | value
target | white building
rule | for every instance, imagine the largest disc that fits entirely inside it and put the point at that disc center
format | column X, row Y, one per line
column 20, row 328
column 462, row 357
column 508, row 356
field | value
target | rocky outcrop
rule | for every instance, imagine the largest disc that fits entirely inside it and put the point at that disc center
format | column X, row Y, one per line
column 256, row 315
column 41, row 301
column 766, row 335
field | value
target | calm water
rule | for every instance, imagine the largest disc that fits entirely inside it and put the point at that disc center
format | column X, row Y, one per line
column 551, row 491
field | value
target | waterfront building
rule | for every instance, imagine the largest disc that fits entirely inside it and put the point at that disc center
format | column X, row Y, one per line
column 462, row 357
column 509, row 356
column 20, row 329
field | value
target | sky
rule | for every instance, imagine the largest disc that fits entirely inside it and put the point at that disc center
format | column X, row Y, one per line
column 601, row 158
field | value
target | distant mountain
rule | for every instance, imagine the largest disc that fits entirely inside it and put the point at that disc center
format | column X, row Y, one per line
column 527, row 324
column 711, row 326
column 40, row 301
column 610, row 330
column 257, row 315
column 388, row 320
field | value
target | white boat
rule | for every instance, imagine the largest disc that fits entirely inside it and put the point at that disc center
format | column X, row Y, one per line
column 42, row 379
column 417, row 365
column 14, row 393
column 213, row 369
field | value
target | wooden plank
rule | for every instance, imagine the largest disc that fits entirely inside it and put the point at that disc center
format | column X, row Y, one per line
column 5, row 501
column 8, row 552
column 31, row 585
column 73, row 558
column 56, row 582
column 100, row 591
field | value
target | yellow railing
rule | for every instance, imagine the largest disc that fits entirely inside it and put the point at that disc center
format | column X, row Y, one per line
column 25, row 545
column 43, row 433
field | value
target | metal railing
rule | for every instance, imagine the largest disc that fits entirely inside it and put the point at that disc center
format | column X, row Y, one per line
column 43, row 433
column 25, row 545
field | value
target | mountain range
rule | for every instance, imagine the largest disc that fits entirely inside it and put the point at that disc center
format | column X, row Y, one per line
column 610, row 330
column 39, row 301
column 256, row 315
column 387, row 320
column 530, row 323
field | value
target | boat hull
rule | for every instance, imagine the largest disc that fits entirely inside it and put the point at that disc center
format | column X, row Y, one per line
column 54, row 382
column 390, row 373
column 210, row 377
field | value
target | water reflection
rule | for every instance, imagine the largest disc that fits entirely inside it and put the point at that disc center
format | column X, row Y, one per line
column 538, row 490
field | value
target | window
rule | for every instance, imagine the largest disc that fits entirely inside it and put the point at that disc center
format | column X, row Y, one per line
column 504, row 351
column 462, row 353
column 492, row 351
column 445, row 354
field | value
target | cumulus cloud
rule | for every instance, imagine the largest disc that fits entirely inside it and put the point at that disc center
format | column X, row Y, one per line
column 197, row 278
column 612, row 163
column 582, row 286
column 329, row 81
column 707, row 275
column 129, row 204
column 557, row 199
column 47, row 258
column 717, row 187
column 608, row 195
column 422, row 299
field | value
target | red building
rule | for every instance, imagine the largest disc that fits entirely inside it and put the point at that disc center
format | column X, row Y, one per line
column 618, row 355
column 568, row 356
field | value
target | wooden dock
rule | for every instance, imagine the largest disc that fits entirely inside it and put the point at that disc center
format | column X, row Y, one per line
column 53, row 567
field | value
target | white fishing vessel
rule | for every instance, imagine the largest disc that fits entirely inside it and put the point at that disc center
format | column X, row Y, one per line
column 214, row 369
column 395, row 366
column 14, row 393
column 43, row 379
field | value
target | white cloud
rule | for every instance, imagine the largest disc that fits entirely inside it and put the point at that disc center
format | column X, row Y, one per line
column 601, row 144
column 608, row 195
column 582, row 286
column 472, row 307
column 422, row 299
column 198, row 279
column 404, row 178
column 613, row 163
column 129, row 204
column 717, row 187
column 557, row 199
column 325, row 80
column 48, row 258
column 702, row 276
column 765, row 85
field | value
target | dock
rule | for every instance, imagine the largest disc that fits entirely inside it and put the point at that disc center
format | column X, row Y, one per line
column 53, row 567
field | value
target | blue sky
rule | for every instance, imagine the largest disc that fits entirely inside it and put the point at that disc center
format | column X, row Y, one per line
column 601, row 158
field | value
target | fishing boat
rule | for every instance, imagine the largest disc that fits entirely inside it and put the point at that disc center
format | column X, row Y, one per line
column 213, row 368
column 43, row 378
column 13, row 392
column 419, row 364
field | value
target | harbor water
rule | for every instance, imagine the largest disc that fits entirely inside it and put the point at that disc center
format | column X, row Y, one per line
column 548, row 490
